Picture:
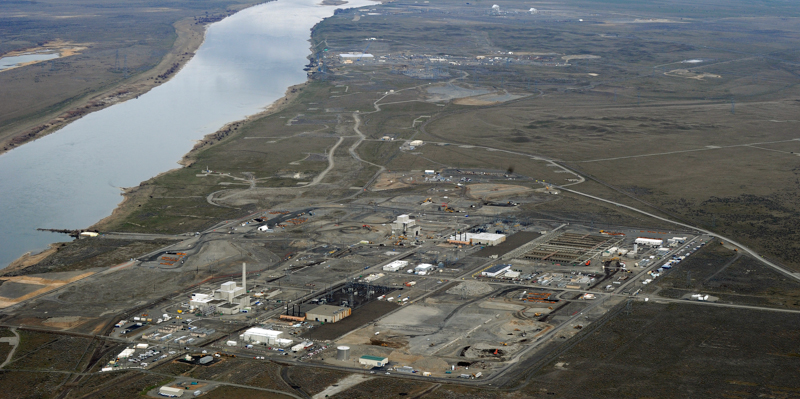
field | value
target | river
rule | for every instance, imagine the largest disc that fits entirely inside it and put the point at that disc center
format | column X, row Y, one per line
column 73, row 178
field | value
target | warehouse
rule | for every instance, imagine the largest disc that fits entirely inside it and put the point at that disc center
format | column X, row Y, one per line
column 406, row 226
column 424, row 268
column 653, row 242
column 228, row 291
column 170, row 392
column 328, row 313
column 373, row 361
column 478, row 239
column 495, row 270
column 395, row 266
column 264, row 336
column 357, row 56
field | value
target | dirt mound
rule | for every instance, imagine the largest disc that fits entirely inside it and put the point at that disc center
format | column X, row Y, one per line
column 390, row 343
column 471, row 288
column 491, row 191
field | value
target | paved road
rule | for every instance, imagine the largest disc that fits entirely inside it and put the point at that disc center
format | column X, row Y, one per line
column 14, row 342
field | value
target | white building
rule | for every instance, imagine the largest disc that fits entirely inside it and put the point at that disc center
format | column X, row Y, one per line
column 356, row 56
column 495, row 270
column 373, row 361
column 416, row 143
column 395, row 266
column 653, row 242
column 171, row 392
column 424, row 268
column 262, row 335
column 228, row 291
column 406, row 226
column 127, row 352
column 200, row 300
column 511, row 274
column 489, row 239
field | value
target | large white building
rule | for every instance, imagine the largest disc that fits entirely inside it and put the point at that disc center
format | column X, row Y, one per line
column 424, row 268
column 171, row 392
column 489, row 239
column 228, row 291
column 406, row 226
column 373, row 361
column 395, row 266
column 264, row 336
column 653, row 242
column 200, row 300
column 495, row 270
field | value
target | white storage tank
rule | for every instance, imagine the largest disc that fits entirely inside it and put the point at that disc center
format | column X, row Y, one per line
column 343, row 353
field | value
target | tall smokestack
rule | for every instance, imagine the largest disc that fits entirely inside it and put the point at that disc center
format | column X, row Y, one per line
column 244, row 276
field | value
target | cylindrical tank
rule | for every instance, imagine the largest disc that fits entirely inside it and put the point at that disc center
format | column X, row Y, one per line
column 343, row 353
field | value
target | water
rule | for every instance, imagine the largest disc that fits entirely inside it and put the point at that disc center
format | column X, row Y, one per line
column 8, row 62
column 72, row 179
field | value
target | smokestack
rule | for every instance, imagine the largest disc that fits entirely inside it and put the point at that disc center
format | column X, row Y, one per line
column 244, row 277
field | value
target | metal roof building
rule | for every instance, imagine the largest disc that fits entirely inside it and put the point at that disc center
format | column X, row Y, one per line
column 373, row 361
column 495, row 270
column 328, row 313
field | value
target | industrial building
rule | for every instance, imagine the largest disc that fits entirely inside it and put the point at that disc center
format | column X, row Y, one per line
column 395, row 266
column 373, row 361
column 356, row 56
column 127, row 352
column 229, row 299
column 228, row 291
column 488, row 239
column 170, row 392
column 406, row 226
column 328, row 313
column 424, row 268
column 264, row 336
column 415, row 143
column 652, row 242
column 495, row 270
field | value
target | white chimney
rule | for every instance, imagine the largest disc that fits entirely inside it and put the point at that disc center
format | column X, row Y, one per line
column 244, row 276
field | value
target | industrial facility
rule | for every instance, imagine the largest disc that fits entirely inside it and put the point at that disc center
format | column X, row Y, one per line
column 572, row 247
column 258, row 335
column 328, row 313
column 373, row 361
column 229, row 299
column 489, row 239
column 405, row 226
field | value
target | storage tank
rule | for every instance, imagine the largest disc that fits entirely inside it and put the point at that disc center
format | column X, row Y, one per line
column 343, row 353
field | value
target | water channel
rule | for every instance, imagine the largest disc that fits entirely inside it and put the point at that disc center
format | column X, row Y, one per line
column 73, row 178
column 10, row 62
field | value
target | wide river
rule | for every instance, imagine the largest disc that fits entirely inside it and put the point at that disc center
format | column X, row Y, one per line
column 73, row 178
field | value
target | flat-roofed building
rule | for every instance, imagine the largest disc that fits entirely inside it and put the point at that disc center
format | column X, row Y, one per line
column 328, row 313
column 373, row 361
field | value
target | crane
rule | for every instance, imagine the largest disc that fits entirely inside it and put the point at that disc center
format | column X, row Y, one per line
column 365, row 51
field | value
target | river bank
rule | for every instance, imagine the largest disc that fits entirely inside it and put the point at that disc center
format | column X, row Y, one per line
column 133, row 197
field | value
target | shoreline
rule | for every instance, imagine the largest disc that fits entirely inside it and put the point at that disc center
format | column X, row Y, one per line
column 31, row 259
column 134, row 196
